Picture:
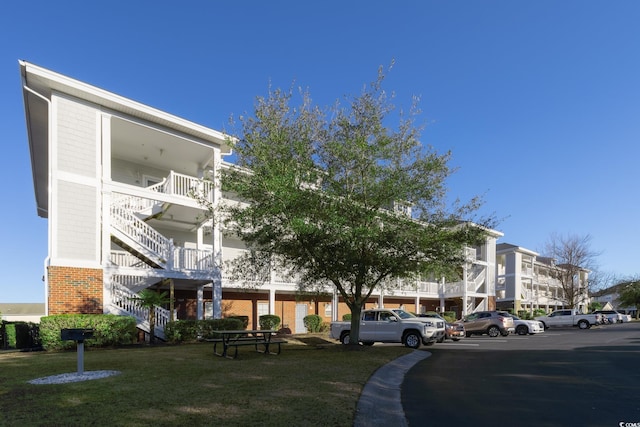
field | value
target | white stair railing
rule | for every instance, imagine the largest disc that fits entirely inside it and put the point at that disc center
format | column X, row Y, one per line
column 140, row 232
column 124, row 299
column 136, row 203
column 125, row 259
column 476, row 279
column 134, row 283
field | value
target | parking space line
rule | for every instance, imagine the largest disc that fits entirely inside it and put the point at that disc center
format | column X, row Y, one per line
column 457, row 344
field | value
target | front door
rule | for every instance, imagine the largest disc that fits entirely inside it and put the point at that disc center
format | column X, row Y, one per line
column 301, row 313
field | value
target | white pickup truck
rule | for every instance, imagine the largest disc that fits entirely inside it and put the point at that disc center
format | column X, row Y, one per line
column 382, row 325
column 570, row 317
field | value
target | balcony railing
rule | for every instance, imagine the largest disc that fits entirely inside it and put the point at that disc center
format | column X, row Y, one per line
column 192, row 259
column 178, row 184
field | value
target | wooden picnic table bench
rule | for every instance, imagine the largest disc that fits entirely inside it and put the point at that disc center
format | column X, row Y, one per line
column 257, row 338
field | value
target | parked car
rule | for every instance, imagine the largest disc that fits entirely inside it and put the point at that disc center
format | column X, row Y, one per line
column 626, row 317
column 524, row 327
column 492, row 323
column 611, row 315
column 453, row 331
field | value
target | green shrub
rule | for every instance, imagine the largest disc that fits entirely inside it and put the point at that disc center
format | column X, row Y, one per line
column 525, row 315
column 539, row 312
column 313, row 323
column 269, row 321
column 10, row 331
column 181, row 330
column 449, row 316
column 243, row 319
column 346, row 317
column 206, row 327
column 109, row 330
column 19, row 335
column 27, row 335
column 194, row 330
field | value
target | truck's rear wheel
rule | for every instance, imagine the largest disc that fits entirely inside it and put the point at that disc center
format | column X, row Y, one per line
column 345, row 338
column 583, row 324
column 412, row 340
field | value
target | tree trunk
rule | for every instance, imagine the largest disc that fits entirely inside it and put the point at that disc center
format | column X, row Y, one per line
column 356, row 311
column 152, row 324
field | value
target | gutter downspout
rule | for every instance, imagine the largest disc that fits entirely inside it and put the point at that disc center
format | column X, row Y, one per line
column 47, row 260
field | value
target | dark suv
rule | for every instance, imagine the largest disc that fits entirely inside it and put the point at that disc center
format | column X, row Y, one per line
column 492, row 323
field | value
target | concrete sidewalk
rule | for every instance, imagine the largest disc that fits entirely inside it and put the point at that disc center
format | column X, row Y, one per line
column 380, row 403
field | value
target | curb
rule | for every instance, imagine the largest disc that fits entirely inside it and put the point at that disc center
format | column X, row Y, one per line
column 380, row 403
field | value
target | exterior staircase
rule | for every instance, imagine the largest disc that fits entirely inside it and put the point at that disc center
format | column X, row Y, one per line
column 144, row 248
column 124, row 304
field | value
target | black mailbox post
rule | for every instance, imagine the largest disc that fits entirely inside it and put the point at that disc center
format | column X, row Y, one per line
column 78, row 335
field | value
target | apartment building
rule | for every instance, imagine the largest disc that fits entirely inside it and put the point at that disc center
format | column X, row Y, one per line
column 527, row 281
column 116, row 180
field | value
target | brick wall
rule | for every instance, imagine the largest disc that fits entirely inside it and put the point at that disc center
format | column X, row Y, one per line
column 75, row 290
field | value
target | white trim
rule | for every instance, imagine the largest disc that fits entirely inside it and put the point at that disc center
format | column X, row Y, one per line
column 53, row 179
column 59, row 82
column 75, row 263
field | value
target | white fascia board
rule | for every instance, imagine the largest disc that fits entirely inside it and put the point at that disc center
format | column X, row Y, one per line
column 46, row 81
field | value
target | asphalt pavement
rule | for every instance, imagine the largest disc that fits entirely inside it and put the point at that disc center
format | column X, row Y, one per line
column 563, row 377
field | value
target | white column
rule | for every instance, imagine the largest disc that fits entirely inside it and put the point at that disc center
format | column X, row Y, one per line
column 216, row 234
column 200, row 305
column 272, row 301
column 464, row 291
column 334, row 306
column 216, row 294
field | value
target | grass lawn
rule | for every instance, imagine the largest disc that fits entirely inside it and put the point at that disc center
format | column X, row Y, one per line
column 306, row 385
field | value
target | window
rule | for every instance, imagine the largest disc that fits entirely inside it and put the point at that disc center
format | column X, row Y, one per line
column 385, row 316
column 327, row 309
column 369, row 316
column 208, row 310
column 263, row 309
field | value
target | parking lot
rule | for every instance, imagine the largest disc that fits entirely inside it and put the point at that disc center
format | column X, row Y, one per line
column 563, row 376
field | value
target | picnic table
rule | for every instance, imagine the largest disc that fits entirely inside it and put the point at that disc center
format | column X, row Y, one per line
column 261, row 339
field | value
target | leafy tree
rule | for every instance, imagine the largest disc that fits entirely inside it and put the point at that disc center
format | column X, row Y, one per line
column 149, row 300
column 630, row 296
column 595, row 305
column 337, row 198
column 572, row 257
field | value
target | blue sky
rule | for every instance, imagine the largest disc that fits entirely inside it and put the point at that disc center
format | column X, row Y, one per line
column 539, row 102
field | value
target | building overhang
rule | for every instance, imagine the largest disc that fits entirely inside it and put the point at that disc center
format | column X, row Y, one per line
column 38, row 85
